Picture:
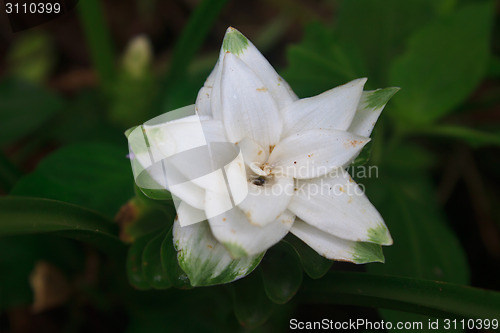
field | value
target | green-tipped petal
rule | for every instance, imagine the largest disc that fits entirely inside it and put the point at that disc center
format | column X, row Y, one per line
column 377, row 99
column 335, row 248
column 380, row 235
column 234, row 42
column 369, row 108
column 234, row 228
column 367, row 252
column 206, row 261
column 235, row 250
column 335, row 204
column 237, row 44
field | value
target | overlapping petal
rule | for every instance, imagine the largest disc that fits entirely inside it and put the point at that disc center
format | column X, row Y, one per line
column 336, row 248
column 264, row 204
column 241, row 47
column 314, row 153
column 248, row 109
column 333, row 109
column 204, row 98
column 241, row 238
column 205, row 260
column 337, row 205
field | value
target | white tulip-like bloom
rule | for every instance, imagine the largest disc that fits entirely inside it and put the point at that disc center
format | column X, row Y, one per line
column 293, row 156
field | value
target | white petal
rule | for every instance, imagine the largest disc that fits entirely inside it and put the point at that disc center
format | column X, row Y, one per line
column 205, row 166
column 335, row 248
column 215, row 96
column 265, row 203
column 337, row 205
column 205, row 260
column 371, row 105
column 217, row 203
column 240, row 238
column 253, row 153
column 333, row 109
column 188, row 215
column 203, row 102
column 237, row 179
column 248, row 109
column 176, row 136
column 213, row 131
column 189, row 192
column 146, row 174
column 241, row 47
column 314, row 152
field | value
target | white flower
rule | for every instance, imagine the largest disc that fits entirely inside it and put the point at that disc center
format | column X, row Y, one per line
column 295, row 152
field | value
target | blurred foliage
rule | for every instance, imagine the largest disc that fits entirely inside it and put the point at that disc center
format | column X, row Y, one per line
column 21, row 115
column 93, row 175
column 32, row 57
column 438, row 52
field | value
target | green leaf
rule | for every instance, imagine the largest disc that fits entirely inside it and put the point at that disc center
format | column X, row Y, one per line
column 141, row 218
column 193, row 36
column 378, row 29
column 250, row 303
column 99, row 40
column 18, row 257
column 134, row 263
column 20, row 215
column 189, row 42
column 152, row 266
column 31, row 56
column 444, row 63
column 475, row 138
column 9, row 174
column 424, row 246
column 83, row 120
column 93, row 175
column 207, row 310
column 434, row 298
column 363, row 157
column 205, row 260
column 320, row 62
column 135, row 86
column 313, row 264
column 176, row 275
column 24, row 108
column 279, row 287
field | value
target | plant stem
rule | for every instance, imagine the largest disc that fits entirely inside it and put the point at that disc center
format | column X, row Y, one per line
column 99, row 40
column 189, row 42
column 192, row 37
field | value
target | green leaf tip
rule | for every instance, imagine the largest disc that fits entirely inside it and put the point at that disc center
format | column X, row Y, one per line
column 234, row 41
column 376, row 99
column 379, row 235
column 367, row 252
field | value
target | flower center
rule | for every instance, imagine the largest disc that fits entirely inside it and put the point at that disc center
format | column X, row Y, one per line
column 259, row 181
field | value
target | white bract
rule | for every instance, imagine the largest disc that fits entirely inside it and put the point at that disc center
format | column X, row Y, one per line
column 294, row 154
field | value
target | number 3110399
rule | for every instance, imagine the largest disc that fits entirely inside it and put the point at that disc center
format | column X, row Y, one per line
column 32, row 8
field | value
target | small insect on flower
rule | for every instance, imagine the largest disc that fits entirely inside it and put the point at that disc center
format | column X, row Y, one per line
column 259, row 181
column 288, row 155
